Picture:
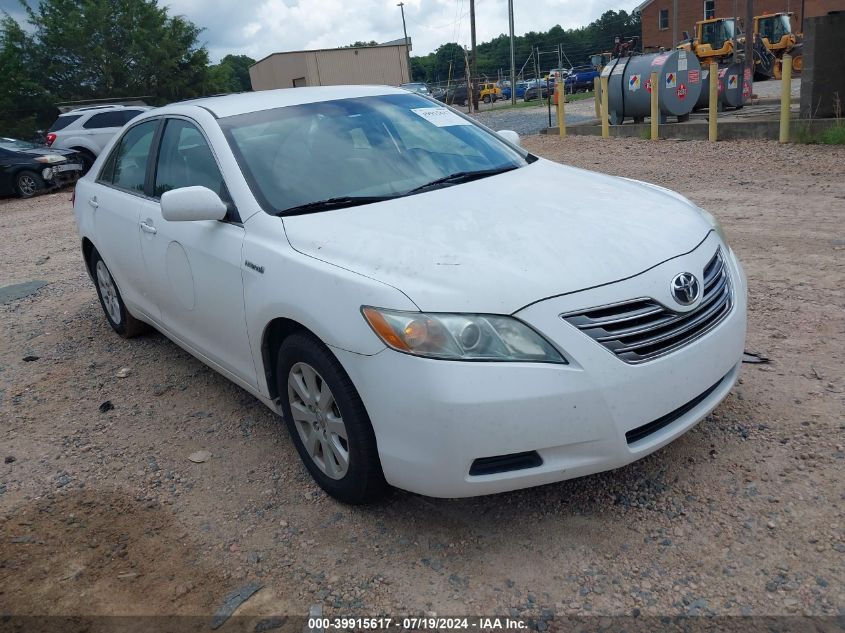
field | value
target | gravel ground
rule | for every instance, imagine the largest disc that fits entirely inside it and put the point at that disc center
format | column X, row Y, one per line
column 101, row 512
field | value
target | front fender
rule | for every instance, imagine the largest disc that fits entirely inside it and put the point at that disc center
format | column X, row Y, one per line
column 280, row 282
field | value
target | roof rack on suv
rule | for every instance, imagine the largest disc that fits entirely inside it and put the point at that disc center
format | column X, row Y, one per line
column 90, row 104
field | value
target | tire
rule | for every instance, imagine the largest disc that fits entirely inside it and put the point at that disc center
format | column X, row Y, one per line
column 28, row 183
column 119, row 318
column 308, row 373
column 487, row 99
column 87, row 160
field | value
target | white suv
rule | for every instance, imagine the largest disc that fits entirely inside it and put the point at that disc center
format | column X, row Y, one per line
column 87, row 130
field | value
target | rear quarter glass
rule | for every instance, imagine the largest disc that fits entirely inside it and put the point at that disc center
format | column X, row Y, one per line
column 63, row 121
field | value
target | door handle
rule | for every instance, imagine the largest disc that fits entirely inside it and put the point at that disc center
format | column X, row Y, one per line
column 93, row 202
column 148, row 228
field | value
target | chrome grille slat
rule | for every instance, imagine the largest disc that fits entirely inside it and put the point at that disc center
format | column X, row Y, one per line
column 642, row 329
column 688, row 325
column 582, row 321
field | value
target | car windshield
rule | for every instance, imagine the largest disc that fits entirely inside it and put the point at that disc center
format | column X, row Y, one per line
column 15, row 145
column 297, row 157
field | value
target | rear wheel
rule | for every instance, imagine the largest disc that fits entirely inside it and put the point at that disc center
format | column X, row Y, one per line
column 112, row 303
column 28, row 183
column 327, row 421
column 798, row 63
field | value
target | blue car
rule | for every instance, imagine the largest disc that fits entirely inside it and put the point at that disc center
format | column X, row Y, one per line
column 580, row 78
column 521, row 87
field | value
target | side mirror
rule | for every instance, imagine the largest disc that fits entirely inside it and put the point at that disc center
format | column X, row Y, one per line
column 510, row 136
column 192, row 203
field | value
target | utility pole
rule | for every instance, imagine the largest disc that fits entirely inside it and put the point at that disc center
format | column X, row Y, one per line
column 474, row 61
column 749, row 44
column 513, row 59
column 401, row 6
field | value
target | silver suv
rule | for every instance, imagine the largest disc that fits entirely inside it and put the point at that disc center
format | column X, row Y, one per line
column 87, row 130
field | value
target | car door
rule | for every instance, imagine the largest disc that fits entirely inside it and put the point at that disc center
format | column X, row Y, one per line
column 7, row 184
column 115, row 200
column 196, row 265
column 101, row 127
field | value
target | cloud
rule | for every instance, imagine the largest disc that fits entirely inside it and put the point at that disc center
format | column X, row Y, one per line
column 260, row 27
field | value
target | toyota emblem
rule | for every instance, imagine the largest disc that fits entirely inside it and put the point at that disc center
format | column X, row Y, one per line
column 685, row 288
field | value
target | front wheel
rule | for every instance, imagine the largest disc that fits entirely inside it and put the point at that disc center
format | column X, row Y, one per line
column 28, row 183
column 327, row 421
column 87, row 159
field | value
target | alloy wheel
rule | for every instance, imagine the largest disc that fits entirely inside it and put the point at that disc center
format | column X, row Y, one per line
column 108, row 292
column 318, row 420
column 27, row 185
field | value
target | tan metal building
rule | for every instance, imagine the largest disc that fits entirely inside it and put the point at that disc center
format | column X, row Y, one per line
column 385, row 64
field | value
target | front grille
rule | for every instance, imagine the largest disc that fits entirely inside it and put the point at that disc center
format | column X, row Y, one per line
column 642, row 329
column 641, row 432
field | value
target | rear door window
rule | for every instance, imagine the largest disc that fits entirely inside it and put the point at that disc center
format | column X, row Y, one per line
column 115, row 118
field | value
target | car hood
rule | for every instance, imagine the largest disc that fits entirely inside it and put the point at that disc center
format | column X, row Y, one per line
column 497, row 244
column 41, row 151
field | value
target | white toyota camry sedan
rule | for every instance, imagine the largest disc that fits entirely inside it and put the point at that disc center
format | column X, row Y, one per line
column 376, row 268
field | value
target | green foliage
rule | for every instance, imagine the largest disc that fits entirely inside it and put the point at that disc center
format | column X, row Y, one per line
column 100, row 49
column 231, row 74
column 23, row 99
column 834, row 135
column 360, row 44
column 494, row 56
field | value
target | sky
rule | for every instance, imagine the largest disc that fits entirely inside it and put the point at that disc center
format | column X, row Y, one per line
column 260, row 27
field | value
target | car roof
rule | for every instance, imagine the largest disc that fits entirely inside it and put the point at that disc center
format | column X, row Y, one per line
column 245, row 102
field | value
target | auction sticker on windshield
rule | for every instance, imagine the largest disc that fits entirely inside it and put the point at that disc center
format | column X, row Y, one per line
column 441, row 117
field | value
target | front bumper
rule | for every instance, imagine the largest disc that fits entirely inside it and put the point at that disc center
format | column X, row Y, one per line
column 434, row 418
column 62, row 175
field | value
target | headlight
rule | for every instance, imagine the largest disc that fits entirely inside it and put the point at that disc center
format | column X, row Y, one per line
column 460, row 336
column 715, row 224
column 49, row 159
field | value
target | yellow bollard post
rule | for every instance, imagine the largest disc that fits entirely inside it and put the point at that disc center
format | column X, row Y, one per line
column 597, row 96
column 561, row 100
column 785, row 97
column 713, row 108
column 655, row 113
column 605, row 121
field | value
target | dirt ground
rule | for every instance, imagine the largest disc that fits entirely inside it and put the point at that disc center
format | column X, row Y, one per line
column 101, row 512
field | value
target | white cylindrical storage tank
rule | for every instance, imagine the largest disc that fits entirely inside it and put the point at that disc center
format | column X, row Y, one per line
column 629, row 85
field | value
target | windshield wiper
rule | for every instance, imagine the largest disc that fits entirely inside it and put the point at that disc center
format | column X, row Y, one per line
column 460, row 177
column 333, row 203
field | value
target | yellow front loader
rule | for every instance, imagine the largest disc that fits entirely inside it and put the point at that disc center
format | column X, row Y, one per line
column 775, row 31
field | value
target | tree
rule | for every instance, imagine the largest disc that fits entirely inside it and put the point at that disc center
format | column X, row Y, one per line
column 88, row 49
column 494, row 56
column 231, row 74
column 23, row 99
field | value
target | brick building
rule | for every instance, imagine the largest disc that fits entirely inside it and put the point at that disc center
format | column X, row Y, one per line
column 659, row 24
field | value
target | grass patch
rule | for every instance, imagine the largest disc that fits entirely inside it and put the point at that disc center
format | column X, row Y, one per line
column 833, row 135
